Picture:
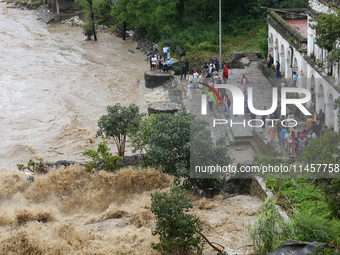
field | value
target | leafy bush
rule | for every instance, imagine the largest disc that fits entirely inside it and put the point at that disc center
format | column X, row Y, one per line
column 117, row 122
column 308, row 229
column 175, row 227
column 312, row 199
column 269, row 230
column 102, row 159
column 331, row 188
column 87, row 28
column 37, row 165
column 333, row 197
column 324, row 250
column 262, row 41
column 170, row 140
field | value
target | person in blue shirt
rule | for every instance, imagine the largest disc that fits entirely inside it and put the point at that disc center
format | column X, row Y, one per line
column 169, row 63
column 295, row 78
column 313, row 135
column 169, row 51
column 167, row 66
column 282, row 137
column 246, row 108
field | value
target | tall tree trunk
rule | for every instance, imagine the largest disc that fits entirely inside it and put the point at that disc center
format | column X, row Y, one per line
column 92, row 18
column 124, row 30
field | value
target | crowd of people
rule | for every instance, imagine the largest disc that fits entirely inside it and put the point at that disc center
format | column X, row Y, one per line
column 210, row 70
column 293, row 139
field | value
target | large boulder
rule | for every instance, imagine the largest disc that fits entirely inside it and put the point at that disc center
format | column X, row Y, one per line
column 295, row 248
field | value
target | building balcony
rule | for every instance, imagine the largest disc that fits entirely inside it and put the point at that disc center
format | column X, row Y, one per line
column 292, row 25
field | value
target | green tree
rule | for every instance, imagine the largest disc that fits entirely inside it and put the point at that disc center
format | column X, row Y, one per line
column 139, row 137
column 86, row 6
column 102, row 158
column 322, row 150
column 177, row 229
column 150, row 18
column 327, row 29
column 262, row 41
column 117, row 122
column 176, row 144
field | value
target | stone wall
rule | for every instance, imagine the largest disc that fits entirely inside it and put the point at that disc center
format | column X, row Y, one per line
column 259, row 189
column 260, row 143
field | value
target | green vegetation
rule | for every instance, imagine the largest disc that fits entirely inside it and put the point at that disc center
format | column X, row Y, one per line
column 102, row 159
column 269, row 230
column 326, row 27
column 36, row 165
column 86, row 6
column 322, row 149
column 315, row 220
column 117, row 122
column 175, row 226
column 194, row 23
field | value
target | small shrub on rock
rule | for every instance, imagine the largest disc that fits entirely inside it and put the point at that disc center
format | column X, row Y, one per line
column 102, row 159
column 175, row 227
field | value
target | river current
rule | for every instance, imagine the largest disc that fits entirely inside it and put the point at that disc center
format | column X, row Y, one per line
column 55, row 85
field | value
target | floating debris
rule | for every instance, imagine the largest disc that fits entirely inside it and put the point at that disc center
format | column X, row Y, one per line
column 73, row 22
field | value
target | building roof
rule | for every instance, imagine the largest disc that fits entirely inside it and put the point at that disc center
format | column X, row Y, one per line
column 300, row 25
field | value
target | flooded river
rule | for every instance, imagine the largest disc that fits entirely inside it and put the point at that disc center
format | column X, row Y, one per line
column 55, row 85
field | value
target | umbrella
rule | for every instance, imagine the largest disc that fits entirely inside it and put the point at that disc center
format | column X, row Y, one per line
column 168, row 41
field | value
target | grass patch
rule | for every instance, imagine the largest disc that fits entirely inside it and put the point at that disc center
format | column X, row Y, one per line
column 200, row 53
column 313, row 222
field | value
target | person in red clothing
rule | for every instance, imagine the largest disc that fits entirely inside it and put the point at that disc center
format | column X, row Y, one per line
column 225, row 74
column 227, row 103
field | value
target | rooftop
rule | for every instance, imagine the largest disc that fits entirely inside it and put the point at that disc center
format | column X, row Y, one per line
column 300, row 26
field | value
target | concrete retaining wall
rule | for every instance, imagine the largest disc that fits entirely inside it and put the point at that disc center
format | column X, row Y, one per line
column 259, row 189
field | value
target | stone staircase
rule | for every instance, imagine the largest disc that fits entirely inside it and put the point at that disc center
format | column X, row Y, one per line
column 45, row 14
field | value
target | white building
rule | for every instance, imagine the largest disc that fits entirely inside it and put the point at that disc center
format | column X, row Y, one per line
column 291, row 40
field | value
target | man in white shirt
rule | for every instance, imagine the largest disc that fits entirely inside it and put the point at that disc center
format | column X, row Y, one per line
column 153, row 63
column 217, row 79
column 288, row 140
column 165, row 52
column 195, row 76
column 190, row 88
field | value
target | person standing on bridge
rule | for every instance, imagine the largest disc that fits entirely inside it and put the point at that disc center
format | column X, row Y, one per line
column 225, row 74
column 244, row 82
column 271, row 132
column 190, row 88
column 246, row 109
column 150, row 57
column 270, row 61
column 183, row 70
column 227, row 103
column 210, row 101
column 277, row 69
column 165, row 53
column 153, row 63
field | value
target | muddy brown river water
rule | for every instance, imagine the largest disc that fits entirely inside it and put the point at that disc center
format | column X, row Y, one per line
column 54, row 86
